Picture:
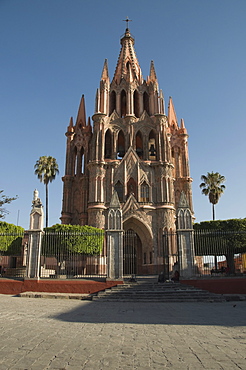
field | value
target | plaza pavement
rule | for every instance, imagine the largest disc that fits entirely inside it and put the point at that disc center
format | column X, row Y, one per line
column 71, row 334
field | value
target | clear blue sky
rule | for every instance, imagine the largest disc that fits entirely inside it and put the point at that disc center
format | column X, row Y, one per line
column 52, row 52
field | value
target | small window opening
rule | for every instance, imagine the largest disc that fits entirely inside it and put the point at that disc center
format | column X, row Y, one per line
column 146, row 102
column 123, row 103
column 139, row 144
column 136, row 104
column 112, row 102
column 108, row 145
column 121, row 145
column 144, row 192
column 152, row 146
column 119, row 188
column 132, row 187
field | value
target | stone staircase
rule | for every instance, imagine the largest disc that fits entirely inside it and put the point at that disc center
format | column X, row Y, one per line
column 149, row 291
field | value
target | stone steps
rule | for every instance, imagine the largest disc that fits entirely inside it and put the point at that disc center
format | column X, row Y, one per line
column 156, row 292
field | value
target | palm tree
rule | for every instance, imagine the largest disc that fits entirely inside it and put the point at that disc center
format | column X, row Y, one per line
column 212, row 187
column 46, row 168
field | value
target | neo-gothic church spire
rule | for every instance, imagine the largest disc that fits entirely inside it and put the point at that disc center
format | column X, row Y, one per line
column 172, row 118
column 105, row 74
column 127, row 65
column 152, row 74
column 81, row 118
column 134, row 149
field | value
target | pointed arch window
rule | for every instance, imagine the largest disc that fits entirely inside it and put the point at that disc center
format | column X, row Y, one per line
column 111, row 220
column 136, row 104
column 118, row 220
column 152, row 145
column 112, row 104
column 139, row 144
column 123, row 103
column 181, row 219
column 78, row 161
column 128, row 65
column 121, row 145
column 144, row 192
column 82, row 160
column 75, row 159
column 188, row 223
column 108, row 145
column 146, row 101
column 119, row 189
column 132, row 188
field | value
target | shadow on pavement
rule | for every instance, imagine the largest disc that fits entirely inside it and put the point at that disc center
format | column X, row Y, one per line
column 218, row 314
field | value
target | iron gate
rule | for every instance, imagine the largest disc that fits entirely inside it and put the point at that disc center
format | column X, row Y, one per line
column 170, row 254
column 129, row 253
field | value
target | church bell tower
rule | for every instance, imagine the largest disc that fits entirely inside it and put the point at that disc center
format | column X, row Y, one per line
column 134, row 147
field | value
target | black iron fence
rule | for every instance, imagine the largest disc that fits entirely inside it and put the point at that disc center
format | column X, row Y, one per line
column 219, row 252
column 170, row 254
column 83, row 255
column 13, row 255
column 73, row 255
column 130, row 244
column 216, row 253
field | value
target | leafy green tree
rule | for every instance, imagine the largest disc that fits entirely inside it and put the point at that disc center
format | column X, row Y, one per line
column 5, row 200
column 64, row 242
column 46, row 168
column 63, row 239
column 235, row 224
column 10, row 238
column 221, row 237
column 212, row 186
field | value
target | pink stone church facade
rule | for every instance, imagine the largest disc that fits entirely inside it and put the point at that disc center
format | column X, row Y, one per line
column 133, row 147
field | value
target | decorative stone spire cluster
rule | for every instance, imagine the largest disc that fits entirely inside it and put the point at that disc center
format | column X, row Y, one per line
column 172, row 118
column 134, row 148
column 127, row 67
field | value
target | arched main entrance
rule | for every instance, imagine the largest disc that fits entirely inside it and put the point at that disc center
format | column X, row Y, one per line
column 137, row 248
column 131, row 243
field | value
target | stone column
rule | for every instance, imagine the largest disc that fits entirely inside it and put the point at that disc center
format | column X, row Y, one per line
column 115, row 240
column 185, row 238
column 186, row 253
column 35, row 238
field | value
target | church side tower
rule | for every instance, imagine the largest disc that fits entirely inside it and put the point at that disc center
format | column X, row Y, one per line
column 75, row 188
column 136, row 150
column 180, row 156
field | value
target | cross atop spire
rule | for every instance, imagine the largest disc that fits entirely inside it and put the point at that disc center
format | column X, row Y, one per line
column 127, row 20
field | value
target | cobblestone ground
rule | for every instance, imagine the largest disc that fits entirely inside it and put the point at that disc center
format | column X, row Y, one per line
column 70, row 334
